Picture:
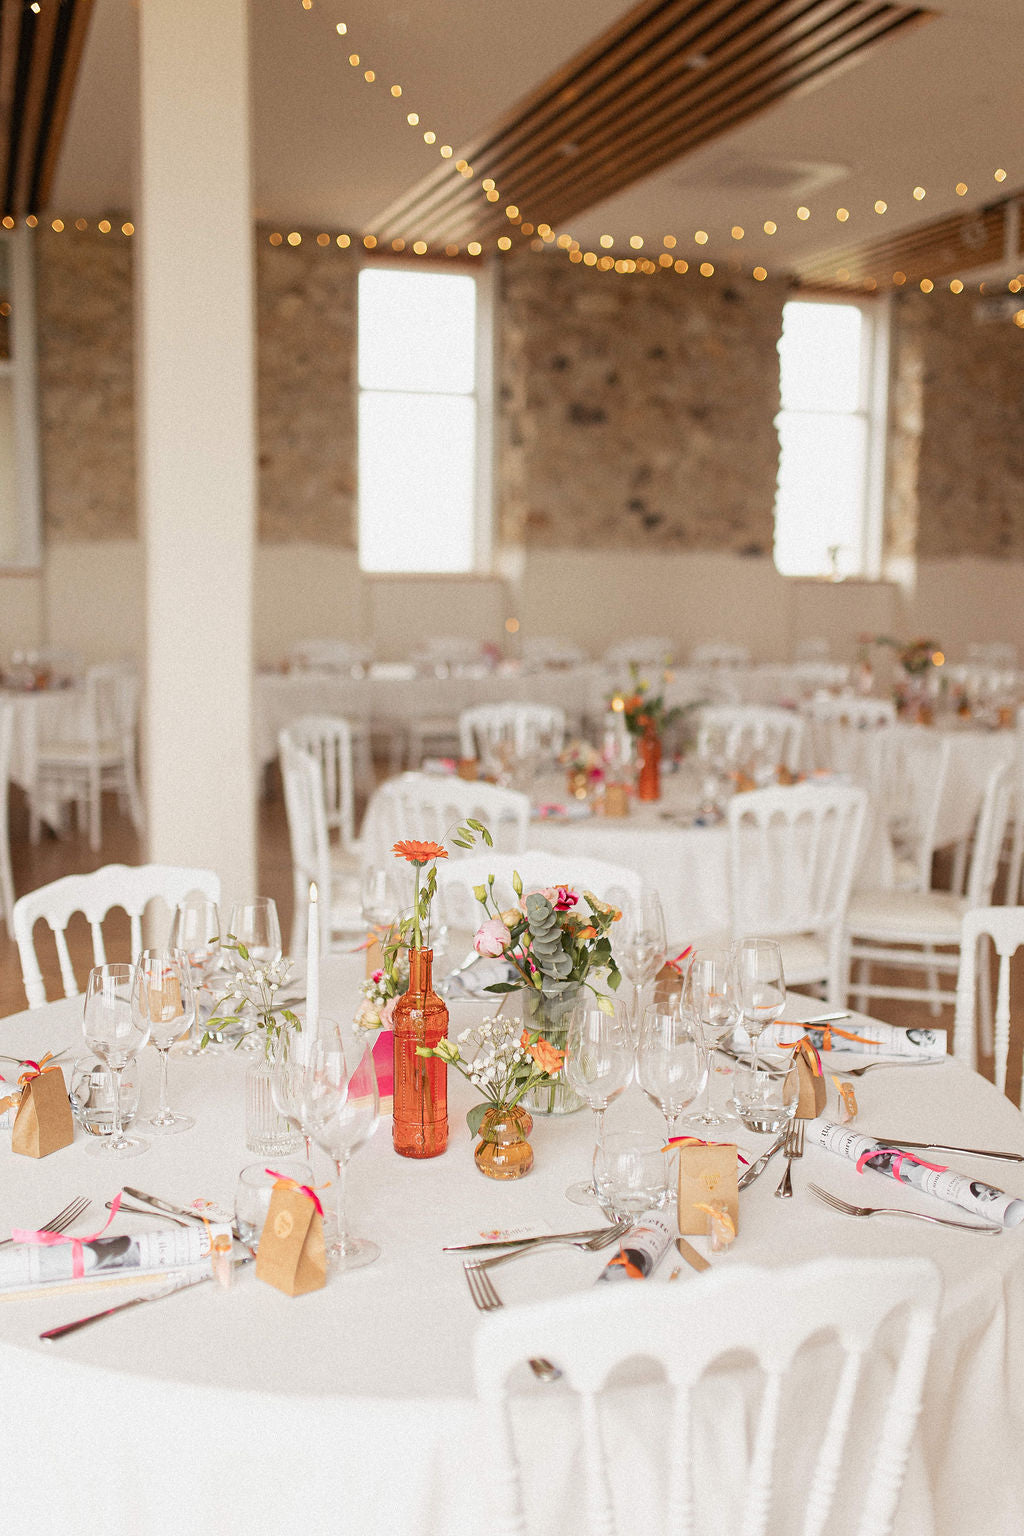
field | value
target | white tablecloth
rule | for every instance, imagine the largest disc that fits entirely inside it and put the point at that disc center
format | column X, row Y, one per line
column 973, row 755
column 352, row 1409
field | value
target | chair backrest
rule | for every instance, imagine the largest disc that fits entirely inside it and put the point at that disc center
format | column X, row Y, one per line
column 537, row 868
column 792, row 855
column 109, row 708
column 845, row 736
column 771, row 1315
column 329, row 655
column 989, row 830
column 644, row 650
column 416, row 805
column 329, row 739
column 303, row 783
column 1005, row 927
column 910, row 786
column 551, row 651
column 529, row 729
column 115, row 885
column 752, row 731
column 719, row 653
column 6, row 882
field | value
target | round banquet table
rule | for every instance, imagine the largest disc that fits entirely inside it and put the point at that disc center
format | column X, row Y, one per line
column 352, row 1408
column 973, row 755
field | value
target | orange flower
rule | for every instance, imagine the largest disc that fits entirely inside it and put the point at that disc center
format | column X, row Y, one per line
column 543, row 1053
column 419, row 853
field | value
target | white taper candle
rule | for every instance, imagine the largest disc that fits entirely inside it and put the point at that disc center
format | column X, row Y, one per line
column 313, row 961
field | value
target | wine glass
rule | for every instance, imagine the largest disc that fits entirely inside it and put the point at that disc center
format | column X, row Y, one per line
column 113, row 1033
column 760, row 986
column 341, row 1110
column 291, row 1064
column 380, row 895
column 164, row 1004
column 639, row 943
column 711, row 995
column 255, row 925
column 195, row 930
column 629, row 1173
column 598, row 1065
column 671, row 1062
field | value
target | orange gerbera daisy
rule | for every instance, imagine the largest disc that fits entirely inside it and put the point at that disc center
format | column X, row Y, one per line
column 543, row 1053
column 419, row 853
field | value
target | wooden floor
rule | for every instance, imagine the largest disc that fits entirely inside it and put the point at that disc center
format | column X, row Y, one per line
column 53, row 857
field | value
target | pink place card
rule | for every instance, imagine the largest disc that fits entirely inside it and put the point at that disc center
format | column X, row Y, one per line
column 384, row 1066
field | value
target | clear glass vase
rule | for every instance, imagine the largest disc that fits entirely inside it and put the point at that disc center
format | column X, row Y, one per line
column 266, row 1129
column 551, row 1015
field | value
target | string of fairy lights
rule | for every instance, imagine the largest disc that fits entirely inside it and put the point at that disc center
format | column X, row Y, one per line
column 540, row 235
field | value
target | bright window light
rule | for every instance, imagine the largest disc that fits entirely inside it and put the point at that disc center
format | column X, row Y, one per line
column 417, row 420
column 825, row 432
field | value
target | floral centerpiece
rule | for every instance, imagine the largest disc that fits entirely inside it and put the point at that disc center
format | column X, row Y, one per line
column 915, row 694
column 641, row 710
column 583, row 766
column 556, row 943
column 504, row 1064
column 248, row 997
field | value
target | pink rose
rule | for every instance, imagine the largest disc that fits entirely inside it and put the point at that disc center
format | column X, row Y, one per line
column 376, row 977
column 387, row 1013
column 491, row 937
column 565, row 899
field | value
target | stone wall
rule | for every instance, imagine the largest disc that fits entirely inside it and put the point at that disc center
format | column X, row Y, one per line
column 637, row 412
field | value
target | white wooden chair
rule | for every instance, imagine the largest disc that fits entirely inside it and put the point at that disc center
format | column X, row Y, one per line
column 920, row 929
column 770, row 1315
column 1005, row 927
column 331, row 741
column 719, row 653
column 792, row 856
column 312, row 859
column 1015, row 865
column 100, row 756
column 94, row 895
column 752, row 731
column 847, row 735
column 536, row 868
column 416, row 805
column 6, row 877
column 486, row 730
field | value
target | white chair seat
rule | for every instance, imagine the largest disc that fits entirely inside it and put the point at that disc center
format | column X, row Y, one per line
column 56, row 752
column 805, row 958
column 915, row 917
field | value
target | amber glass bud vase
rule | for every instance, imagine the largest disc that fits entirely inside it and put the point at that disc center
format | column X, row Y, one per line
column 648, row 783
column 421, row 1082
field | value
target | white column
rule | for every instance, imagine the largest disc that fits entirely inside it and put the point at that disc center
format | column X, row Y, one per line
column 196, row 410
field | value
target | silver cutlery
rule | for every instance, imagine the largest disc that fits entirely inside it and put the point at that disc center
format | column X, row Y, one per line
column 756, row 1169
column 873, row 1066
column 20, row 1061
column 178, row 1284
column 486, row 1299
column 169, row 1209
column 148, row 1210
column 523, row 1242
column 794, row 1148
column 603, row 1239
column 62, row 1220
column 941, row 1146
column 885, row 1210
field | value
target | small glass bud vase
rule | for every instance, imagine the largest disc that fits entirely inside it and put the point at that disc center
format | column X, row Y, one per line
column 503, row 1151
column 267, row 1132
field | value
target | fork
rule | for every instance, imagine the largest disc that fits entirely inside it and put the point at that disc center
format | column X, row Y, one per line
column 885, row 1210
column 872, row 1066
column 794, row 1148
column 486, row 1299
column 62, row 1220
column 603, row 1239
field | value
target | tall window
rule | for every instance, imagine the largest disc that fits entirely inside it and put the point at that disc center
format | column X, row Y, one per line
column 831, row 440
column 419, row 483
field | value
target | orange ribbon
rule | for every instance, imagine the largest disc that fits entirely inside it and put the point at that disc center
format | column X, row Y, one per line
column 807, row 1051
column 309, row 1190
column 676, row 1143
column 632, row 1272
column 37, row 1068
column 827, row 1031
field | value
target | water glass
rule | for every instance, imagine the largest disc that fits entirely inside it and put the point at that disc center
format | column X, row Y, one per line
column 630, row 1173
column 765, row 1094
column 252, row 1195
column 91, row 1092
column 114, row 1033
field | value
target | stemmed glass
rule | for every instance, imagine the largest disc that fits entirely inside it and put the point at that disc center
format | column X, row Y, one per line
column 341, row 1110
column 164, row 1004
column 113, row 1033
column 640, row 945
column 671, row 1063
column 287, row 1085
column 711, row 994
column 195, row 930
column 760, row 986
column 254, row 924
column 598, row 1065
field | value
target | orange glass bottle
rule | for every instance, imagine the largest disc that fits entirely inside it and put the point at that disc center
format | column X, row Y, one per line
column 648, row 783
column 420, row 1127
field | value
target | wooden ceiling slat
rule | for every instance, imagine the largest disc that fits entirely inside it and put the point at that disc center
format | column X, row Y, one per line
column 749, row 32
column 633, row 102
column 45, row 25
column 40, row 52
column 60, row 92
column 10, row 32
column 946, row 248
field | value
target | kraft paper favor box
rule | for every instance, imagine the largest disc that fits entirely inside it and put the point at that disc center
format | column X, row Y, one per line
column 813, row 1092
column 707, row 1173
column 43, row 1123
column 291, row 1255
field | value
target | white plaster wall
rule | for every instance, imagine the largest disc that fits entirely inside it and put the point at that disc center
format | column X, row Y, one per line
column 94, row 599
column 21, row 611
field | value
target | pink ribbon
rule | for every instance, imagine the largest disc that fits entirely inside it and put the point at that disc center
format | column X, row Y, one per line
column 675, row 1142
column 51, row 1239
column 304, row 1189
column 899, row 1156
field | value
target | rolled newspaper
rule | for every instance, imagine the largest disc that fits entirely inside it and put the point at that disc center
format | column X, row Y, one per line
column 868, row 1039
column 982, row 1200
column 27, row 1264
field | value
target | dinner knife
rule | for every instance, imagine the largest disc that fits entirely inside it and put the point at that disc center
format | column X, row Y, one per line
column 941, row 1146
column 183, row 1284
column 174, row 1210
column 756, row 1169
column 521, row 1242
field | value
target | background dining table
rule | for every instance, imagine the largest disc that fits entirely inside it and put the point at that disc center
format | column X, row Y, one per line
column 353, row 1406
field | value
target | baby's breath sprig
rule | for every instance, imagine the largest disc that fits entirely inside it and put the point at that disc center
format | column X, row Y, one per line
column 251, row 992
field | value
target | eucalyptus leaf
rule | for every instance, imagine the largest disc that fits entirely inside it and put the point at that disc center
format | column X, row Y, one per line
column 475, row 1118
